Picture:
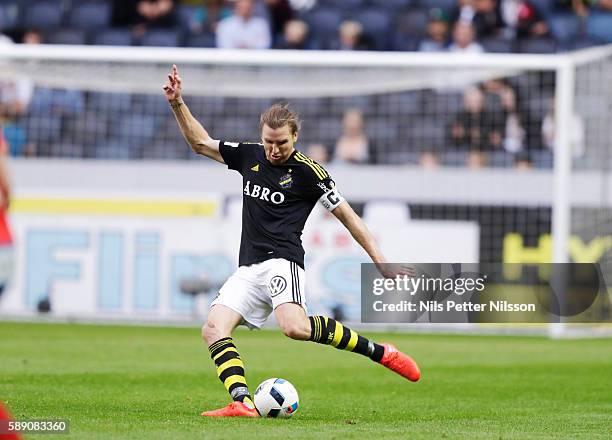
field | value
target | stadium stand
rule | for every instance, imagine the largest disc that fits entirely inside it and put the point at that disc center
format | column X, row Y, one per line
column 94, row 124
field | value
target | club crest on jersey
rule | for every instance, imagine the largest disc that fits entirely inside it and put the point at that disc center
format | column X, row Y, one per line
column 286, row 181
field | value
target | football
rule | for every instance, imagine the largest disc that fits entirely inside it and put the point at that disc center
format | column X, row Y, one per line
column 276, row 398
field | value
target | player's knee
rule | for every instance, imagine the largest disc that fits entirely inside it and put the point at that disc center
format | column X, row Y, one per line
column 296, row 331
column 210, row 332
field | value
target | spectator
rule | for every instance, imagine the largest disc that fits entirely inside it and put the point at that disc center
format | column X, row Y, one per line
column 280, row 14
column 243, row 30
column 463, row 39
column 580, row 7
column 505, row 98
column 523, row 19
column 437, row 32
column 351, row 37
column 577, row 131
column 15, row 94
column 475, row 127
column 476, row 159
column 464, row 11
column 353, row 144
column 32, row 36
column 606, row 5
column 295, row 36
column 318, row 153
column 141, row 15
column 207, row 14
column 487, row 19
column 429, row 160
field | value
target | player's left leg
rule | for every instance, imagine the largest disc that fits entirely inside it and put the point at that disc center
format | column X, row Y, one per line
column 285, row 282
column 295, row 324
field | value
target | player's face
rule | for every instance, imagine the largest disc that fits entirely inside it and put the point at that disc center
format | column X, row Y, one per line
column 278, row 143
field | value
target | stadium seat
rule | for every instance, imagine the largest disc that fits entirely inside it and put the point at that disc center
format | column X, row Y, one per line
column 442, row 104
column 599, row 26
column 42, row 15
column 106, row 103
column 73, row 151
column 446, row 5
column 538, row 45
column 90, row 16
column 497, row 45
column 67, row 36
column 392, row 5
column 582, row 43
column 113, row 37
column 541, row 158
column 9, row 15
column 501, row 159
column 402, row 43
column 202, row 40
column 326, row 131
column 411, row 24
column 385, row 130
column 376, row 25
column 323, row 22
column 161, row 38
column 57, row 102
column 115, row 150
column 347, row 5
column 310, row 107
column 165, row 151
column 402, row 104
column 340, row 104
column 564, row 26
column 88, row 129
column 44, row 130
column 546, row 7
column 185, row 16
column 454, row 158
column 240, row 129
column 135, row 129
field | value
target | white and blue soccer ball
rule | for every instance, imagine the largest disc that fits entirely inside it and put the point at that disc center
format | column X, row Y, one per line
column 276, row 398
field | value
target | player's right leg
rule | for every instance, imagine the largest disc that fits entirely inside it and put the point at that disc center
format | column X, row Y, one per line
column 217, row 332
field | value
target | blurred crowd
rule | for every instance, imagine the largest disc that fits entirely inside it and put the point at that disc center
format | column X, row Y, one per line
column 496, row 123
column 402, row 25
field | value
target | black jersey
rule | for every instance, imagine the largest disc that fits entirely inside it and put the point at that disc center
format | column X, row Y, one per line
column 277, row 200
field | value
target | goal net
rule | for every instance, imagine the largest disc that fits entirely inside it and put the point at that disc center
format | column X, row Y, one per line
column 508, row 152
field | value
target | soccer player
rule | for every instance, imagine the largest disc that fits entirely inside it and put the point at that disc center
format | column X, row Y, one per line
column 280, row 188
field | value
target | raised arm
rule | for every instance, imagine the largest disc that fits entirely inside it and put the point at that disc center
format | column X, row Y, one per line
column 196, row 136
column 360, row 232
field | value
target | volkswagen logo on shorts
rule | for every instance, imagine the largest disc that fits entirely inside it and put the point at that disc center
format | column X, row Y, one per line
column 277, row 285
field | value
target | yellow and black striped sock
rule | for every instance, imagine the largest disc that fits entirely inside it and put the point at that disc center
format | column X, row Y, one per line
column 230, row 370
column 328, row 331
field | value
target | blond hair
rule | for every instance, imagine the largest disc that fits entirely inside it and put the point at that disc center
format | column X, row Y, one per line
column 279, row 115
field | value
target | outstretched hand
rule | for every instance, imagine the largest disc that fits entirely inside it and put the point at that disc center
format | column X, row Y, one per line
column 389, row 270
column 172, row 88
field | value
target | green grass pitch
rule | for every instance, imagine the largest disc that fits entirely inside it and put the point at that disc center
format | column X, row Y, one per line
column 152, row 383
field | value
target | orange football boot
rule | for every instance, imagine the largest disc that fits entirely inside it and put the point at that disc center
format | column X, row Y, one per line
column 400, row 362
column 234, row 409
